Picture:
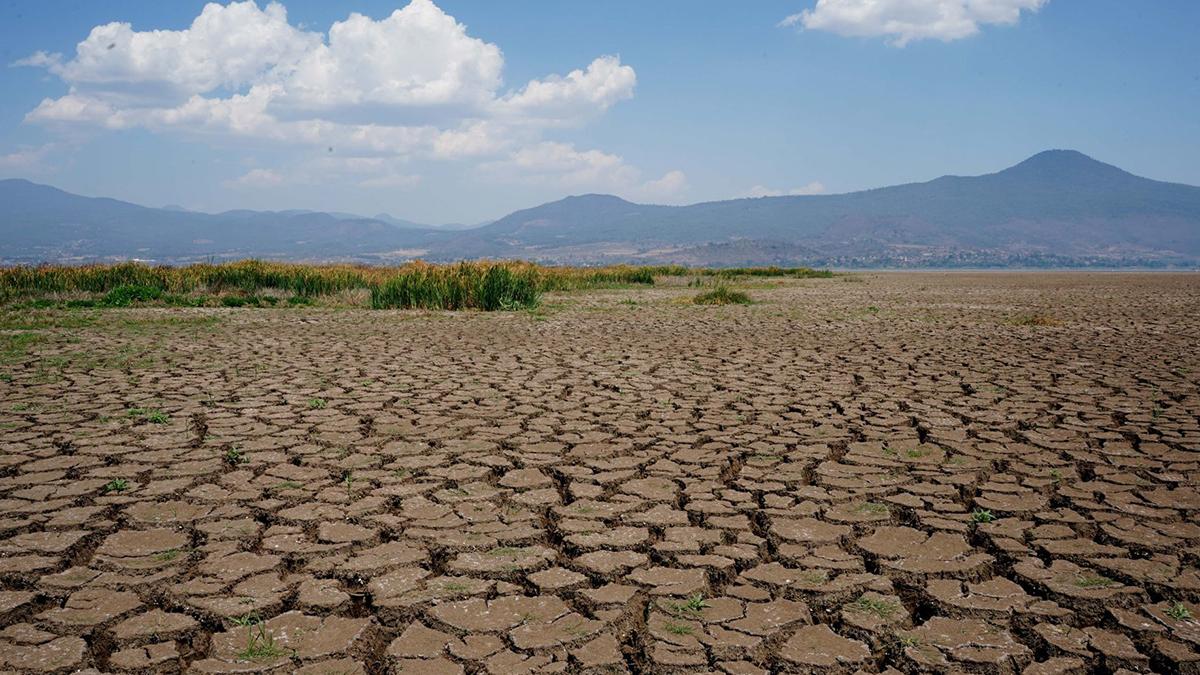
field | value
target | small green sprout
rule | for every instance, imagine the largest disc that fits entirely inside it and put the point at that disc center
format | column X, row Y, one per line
column 116, row 485
column 1179, row 612
column 982, row 516
column 677, row 628
column 693, row 605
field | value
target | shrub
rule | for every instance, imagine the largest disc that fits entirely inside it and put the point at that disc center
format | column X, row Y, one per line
column 124, row 296
column 463, row 286
column 1035, row 320
column 721, row 295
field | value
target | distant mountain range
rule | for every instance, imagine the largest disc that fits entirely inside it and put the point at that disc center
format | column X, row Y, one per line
column 1058, row 208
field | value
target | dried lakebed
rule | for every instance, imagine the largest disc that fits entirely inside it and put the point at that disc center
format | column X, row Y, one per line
column 990, row 473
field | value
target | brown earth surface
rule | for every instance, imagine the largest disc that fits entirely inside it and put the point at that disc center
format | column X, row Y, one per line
column 967, row 472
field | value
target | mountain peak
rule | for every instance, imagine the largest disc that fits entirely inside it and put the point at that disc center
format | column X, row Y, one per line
column 1063, row 163
column 594, row 198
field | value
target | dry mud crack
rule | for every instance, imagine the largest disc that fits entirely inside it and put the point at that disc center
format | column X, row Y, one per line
column 886, row 473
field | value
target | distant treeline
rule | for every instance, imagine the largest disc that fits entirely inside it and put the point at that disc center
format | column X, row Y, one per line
column 466, row 285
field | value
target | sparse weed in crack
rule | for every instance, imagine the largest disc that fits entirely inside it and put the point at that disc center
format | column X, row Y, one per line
column 693, row 605
column 260, row 645
column 115, row 485
column 880, row 608
column 675, row 628
column 982, row 516
column 1179, row 612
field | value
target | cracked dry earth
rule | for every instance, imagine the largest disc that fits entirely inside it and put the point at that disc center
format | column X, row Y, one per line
column 876, row 475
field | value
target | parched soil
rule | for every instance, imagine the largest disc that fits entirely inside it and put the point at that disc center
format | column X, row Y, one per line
column 981, row 473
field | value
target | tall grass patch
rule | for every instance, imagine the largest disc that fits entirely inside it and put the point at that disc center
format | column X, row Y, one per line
column 462, row 286
column 722, row 295
column 482, row 285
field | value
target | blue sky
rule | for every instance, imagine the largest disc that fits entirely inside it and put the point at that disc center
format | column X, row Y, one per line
column 463, row 111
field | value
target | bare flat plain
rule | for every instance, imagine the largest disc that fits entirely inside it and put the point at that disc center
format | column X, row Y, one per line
column 986, row 473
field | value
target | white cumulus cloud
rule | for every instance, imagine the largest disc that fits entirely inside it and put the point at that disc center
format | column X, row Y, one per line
column 419, row 55
column 904, row 21
column 580, row 93
column 225, row 46
column 414, row 84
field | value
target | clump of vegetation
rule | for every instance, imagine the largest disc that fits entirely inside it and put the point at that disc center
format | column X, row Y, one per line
column 316, row 404
column 150, row 415
column 126, row 295
column 1179, row 612
column 816, row 576
column 691, row 606
column 722, row 295
column 260, row 645
column 878, row 607
column 116, row 485
column 874, row 508
column 246, row 619
column 1035, row 319
column 982, row 516
column 573, row 278
column 462, row 286
column 235, row 456
column 677, row 628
